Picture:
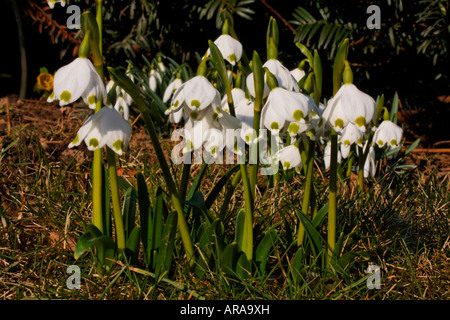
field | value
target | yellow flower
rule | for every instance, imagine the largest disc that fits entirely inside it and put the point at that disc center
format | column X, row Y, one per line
column 45, row 81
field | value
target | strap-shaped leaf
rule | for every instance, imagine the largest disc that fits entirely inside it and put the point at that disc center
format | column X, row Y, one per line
column 87, row 239
column 263, row 249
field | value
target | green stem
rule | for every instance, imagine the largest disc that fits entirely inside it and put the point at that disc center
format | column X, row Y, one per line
column 361, row 161
column 332, row 198
column 308, row 189
column 118, row 220
column 247, row 241
column 97, row 199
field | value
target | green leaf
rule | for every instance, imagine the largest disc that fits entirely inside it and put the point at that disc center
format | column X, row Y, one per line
column 338, row 65
column 306, row 52
column 165, row 252
column 133, row 244
column 106, row 249
column 218, row 186
column 412, row 146
column 196, row 183
column 314, row 236
column 394, row 109
column 317, row 78
column 129, row 210
column 239, row 231
column 321, row 214
column 263, row 249
column 145, row 210
column 160, row 211
column 87, row 239
column 229, row 258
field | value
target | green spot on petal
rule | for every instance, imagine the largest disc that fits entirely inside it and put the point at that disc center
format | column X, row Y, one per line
column 347, row 143
column 393, row 142
column 93, row 143
column 118, row 145
column 195, row 103
column 65, row 96
column 274, row 125
column 293, row 127
column 52, row 95
column 298, row 115
column 176, row 103
column 286, row 164
column 360, row 121
column 232, row 57
column 92, row 99
column 77, row 138
column 194, row 115
column 380, row 142
column 339, row 123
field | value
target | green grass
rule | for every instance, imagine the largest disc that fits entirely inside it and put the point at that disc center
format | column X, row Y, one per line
column 401, row 225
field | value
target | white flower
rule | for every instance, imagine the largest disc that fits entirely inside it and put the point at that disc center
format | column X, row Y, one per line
column 154, row 79
column 388, row 133
column 230, row 48
column 369, row 165
column 200, row 104
column 245, row 113
column 171, row 88
column 290, row 158
column 284, row 78
column 237, row 94
column 327, row 155
column 350, row 135
column 298, row 74
column 286, row 109
column 78, row 79
column 197, row 94
column 106, row 127
column 51, row 3
column 121, row 106
column 350, row 105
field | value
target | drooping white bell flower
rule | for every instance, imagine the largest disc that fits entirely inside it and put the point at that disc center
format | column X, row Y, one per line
column 369, row 164
column 350, row 105
column 388, row 133
column 327, row 155
column 78, row 79
column 197, row 132
column 154, row 79
column 284, row 109
column 105, row 127
column 51, row 3
column 237, row 94
column 122, row 107
column 197, row 94
column 284, row 77
column 350, row 135
column 230, row 48
column 245, row 113
column 289, row 157
column 298, row 74
column 171, row 88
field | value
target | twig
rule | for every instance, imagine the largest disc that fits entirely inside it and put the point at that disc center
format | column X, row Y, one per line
column 286, row 23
